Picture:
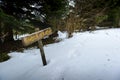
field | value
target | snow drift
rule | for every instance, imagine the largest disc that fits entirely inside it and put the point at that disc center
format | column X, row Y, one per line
column 85, row 56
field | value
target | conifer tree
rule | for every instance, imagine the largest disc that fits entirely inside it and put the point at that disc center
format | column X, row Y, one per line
column 31, row 10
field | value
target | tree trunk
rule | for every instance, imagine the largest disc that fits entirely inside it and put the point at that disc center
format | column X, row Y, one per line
column 1, row 25
column 69, row 34
column 0, row 35
column 9, row 36
column 118, row 22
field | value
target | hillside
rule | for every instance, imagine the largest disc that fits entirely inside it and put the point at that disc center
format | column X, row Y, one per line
column 86, row 56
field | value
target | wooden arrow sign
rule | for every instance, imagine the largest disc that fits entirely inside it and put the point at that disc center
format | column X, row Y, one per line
column 36, row 36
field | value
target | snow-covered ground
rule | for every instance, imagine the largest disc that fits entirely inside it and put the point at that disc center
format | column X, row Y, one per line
column 85, row 56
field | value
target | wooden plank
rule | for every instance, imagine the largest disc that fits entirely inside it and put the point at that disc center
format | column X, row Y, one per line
column 36, row 36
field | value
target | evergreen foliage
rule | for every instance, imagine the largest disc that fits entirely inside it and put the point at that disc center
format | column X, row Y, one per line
column 89, row 13
column 23, row 15
column 32, row 9
column 4, row 57
column 8, row 19
column 114, row 16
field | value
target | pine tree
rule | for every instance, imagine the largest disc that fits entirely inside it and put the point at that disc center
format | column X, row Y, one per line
column 30, row 10
column 7, row 23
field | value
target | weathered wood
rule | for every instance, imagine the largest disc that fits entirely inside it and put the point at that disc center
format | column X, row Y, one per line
column 36, row 36
column 40, row 45
column 42, row 52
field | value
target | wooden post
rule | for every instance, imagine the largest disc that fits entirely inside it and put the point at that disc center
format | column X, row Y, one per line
column 40, row 45
column 38, row 36
column 42, row 52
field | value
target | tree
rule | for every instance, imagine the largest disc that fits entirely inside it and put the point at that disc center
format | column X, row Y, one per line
column 114, row 16
column 86, row 14
column 8, row 25
column 32, row 10
column 6, row 32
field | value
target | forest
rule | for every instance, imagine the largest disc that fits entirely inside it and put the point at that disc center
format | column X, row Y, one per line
column 19, row 17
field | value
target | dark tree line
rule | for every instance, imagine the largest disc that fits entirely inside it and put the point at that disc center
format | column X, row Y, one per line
column 24, row 15
column 86, row 14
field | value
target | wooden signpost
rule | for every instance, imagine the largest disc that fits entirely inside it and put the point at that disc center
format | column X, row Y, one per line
column 37, row 36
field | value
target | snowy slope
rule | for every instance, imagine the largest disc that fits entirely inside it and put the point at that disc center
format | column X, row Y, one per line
column 85, row 56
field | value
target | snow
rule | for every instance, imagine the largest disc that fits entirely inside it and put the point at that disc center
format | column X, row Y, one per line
column 85, row 56
column 20, row 36
column 72, row 3
column 61, row 36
